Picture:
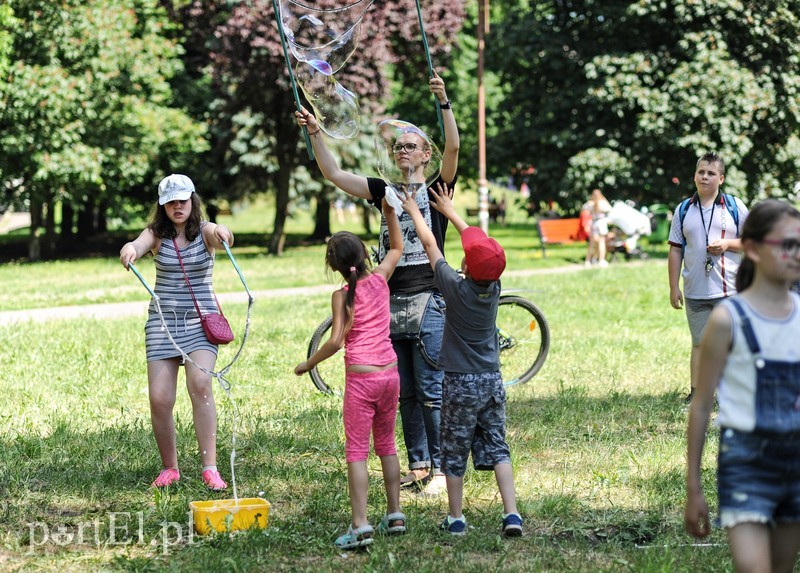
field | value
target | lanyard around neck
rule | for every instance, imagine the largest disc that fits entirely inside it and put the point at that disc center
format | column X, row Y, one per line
column 707, row 230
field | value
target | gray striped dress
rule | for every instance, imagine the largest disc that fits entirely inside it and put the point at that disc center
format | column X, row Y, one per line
column 176, row 302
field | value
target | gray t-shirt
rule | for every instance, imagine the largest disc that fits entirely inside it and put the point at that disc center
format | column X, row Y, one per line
column 469, row 343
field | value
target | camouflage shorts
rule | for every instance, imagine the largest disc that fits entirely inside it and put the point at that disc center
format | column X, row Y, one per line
column 473, row 419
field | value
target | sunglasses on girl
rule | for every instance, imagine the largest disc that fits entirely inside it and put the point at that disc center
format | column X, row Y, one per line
column 789, row 247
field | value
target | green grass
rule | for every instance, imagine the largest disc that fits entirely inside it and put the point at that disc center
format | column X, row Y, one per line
column 102, row 280
column 597, row 438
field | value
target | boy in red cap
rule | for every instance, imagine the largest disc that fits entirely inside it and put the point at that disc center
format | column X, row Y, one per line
column 473, row 395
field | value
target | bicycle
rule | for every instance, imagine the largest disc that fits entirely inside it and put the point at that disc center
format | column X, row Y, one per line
column 521, row 327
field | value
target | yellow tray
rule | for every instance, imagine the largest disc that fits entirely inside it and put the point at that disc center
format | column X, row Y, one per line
column 227, row 515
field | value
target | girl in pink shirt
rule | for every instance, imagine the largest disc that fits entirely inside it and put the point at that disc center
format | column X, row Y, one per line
column 372, row 383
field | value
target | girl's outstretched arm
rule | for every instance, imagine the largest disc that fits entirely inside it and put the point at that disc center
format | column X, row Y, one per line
column 336, row 340
column 713, row 355
column 136, row 249
column 214, row 234
column 389, row 262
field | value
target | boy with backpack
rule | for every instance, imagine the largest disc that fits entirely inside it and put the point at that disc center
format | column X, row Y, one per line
column 704, row 237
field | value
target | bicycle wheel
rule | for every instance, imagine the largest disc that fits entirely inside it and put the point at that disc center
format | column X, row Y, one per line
column 328, row 375
column 524, row 339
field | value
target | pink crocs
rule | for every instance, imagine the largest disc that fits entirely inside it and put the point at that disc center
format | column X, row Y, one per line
column 167, row 477
column 213, row 480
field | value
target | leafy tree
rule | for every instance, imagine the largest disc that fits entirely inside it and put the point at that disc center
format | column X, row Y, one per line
column 85, row 112
column 256, row 142
column 7, row 23
column 656, row 83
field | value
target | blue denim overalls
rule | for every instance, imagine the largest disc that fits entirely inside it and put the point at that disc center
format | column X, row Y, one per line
column 758, row 472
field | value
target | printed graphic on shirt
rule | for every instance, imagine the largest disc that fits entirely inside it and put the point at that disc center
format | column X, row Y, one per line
column 413, row 251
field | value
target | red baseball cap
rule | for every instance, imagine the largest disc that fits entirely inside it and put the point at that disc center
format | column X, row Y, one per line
column 485, row 258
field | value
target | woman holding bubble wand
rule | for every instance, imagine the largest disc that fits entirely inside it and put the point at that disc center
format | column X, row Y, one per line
column 417, row 338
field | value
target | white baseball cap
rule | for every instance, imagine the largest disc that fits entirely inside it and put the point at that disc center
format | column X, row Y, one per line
column 174, row 188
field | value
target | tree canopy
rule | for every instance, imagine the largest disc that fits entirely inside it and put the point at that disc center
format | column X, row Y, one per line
column 626, row 95
column 101, row 98
column 256, row 144
column 85, row 110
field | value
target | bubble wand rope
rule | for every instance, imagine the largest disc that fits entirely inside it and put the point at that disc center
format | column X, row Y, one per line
column 430, row 66
column 282, row 34
column 220, row 376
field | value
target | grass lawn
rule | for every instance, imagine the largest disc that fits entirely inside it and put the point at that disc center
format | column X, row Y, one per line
column 597, row 438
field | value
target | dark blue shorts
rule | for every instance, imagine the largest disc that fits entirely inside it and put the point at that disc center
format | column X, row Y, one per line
column 758, row 478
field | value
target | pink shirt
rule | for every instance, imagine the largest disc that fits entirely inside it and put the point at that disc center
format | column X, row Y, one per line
column 368, row 341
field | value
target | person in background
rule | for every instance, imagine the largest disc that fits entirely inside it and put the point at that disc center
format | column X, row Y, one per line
column 596, row 228
column 705, row 241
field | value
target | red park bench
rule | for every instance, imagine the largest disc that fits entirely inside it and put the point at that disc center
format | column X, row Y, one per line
column 560, row 232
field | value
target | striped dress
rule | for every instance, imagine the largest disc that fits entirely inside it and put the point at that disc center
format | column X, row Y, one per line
column 176, row 302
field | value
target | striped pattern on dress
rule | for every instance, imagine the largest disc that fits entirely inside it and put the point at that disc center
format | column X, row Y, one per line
column 176, row 302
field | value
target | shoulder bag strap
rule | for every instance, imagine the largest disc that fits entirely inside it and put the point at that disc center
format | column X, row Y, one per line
column 185, row 276
column 191, row 292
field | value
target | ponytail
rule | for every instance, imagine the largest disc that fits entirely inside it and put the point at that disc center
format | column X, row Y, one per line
column 745, row 274
column 348, row 256
column 352, row 280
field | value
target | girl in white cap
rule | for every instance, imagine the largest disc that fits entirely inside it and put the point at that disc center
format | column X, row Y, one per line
column 177, row 227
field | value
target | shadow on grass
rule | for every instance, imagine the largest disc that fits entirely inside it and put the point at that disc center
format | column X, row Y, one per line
column 73, row 476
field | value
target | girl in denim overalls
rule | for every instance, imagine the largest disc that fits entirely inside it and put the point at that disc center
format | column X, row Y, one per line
column 751, row 351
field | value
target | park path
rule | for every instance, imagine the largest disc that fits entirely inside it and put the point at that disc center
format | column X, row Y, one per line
column 125, row 309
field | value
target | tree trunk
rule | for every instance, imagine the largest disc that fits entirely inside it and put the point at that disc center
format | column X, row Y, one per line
column 67, row 220
column 278, row 239
column 49, row 243
column 322, row 219
column 101, row 219
column 34, row 240
column 366, row 218
column 85, row 222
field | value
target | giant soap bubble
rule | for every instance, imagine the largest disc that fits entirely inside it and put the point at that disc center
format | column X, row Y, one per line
column 408, row 161
column 401, row 167
column 335, row 107
column 322, row 40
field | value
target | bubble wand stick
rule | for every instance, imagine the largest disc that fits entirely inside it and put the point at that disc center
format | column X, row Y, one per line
column 282, row 34
column 430, row 65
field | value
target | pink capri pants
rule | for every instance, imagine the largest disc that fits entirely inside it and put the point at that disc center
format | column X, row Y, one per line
column 370, row 405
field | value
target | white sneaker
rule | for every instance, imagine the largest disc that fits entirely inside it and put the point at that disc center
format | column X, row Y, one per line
column 603, row 263
column 436, row 487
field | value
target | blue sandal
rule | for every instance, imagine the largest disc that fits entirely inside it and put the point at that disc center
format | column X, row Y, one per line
column 393, row 524
column 355, row 538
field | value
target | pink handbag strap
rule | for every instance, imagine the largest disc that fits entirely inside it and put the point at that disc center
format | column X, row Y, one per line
column 185, row 276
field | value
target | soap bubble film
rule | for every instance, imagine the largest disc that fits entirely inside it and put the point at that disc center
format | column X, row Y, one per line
column 398, row 169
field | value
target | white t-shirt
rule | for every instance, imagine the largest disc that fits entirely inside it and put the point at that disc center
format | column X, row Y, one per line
column 718, row 222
